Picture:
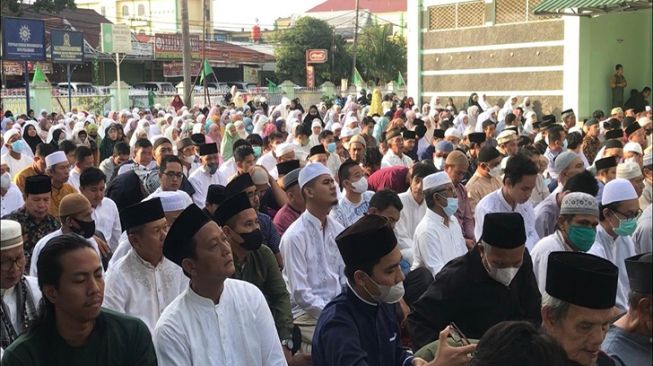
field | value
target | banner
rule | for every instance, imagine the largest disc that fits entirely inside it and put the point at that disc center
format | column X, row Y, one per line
column 176, row 69
column 16, row 68
column 116, row 38
column 170, row 46
column 310, row 76
column 23, row 39
column 67, row 46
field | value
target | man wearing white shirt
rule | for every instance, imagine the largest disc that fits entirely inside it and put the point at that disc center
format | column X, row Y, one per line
column 268, row 160
column 216, row 320
column 575, row 231
column 413, row 210
column 105, row 211
column 395, row 155
column 143, row 282
column 229, row 168
column 186, row 153
column 438, row 237
column 245, row 160
column 314, row 270
column 142, row 159
column 83, row 161
column 11, row 198
column 75, row 215
column 356, row 200
column 619, row 211
column 301, row 142
column 519, row 180
column 208, row 174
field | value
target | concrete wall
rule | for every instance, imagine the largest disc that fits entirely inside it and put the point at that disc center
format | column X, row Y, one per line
column 607, row 40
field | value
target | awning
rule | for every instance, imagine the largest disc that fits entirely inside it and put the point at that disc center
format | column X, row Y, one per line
column 589, row 7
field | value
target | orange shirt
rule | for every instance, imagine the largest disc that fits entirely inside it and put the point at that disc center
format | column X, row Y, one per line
column 57, row 196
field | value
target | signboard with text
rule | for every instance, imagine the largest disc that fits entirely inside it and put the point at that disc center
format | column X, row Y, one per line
column 16, row 68
column 67, row 46
column 116, row 38
column 170, row 46
column 316, row 56
column 176, row 69
column 23, row 39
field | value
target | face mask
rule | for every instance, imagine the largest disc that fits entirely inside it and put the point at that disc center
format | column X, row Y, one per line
column 495, row 172
column 630, row 160
column 502, row 275
column 438, row 162
column 86, row 228
column 582, row 237
column 547, row 181
column 360, row 186
column 190, row 159
column 451, row 207
column 387, row 294
column 257, row 151
column 18, row 146
column 626, row 227
column 331, row 147
column 211, row 168
column 5, row 180
column 252, row 240
column 565, row 144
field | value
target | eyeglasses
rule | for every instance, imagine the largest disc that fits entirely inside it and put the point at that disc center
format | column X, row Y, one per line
column 8, row 264
column 636, row 215
column 172, row 175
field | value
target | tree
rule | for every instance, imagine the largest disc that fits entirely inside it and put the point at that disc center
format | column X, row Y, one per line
column 380, row 54
column 311, row 33
column 13, row 7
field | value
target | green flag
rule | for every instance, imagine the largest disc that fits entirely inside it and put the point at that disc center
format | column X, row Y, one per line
column 38, row 75
column 272, row 87
column 400, row 80
column 206, row 70
column 356, row 79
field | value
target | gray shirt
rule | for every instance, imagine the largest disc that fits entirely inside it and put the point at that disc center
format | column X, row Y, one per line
column 627, row 349
column 643, row 236
column 546, row 215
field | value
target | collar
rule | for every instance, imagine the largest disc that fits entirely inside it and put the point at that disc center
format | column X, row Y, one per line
column 8, row 292
column 435, row 217
column 142, row 261
column 351, row 289
column 503, row 201
column 202, row 301
column 312, row 220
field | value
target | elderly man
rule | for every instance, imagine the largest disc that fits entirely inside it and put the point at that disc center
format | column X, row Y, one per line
column 395, row 155
column 438, row 237
column 628, row 340
column 507, row 143
column 456, row 167
column 38, row 167
column 492, row 283
column 20, row 293
column 575, row 313
column 575, row 232
column 16, row 157
column 618, row 214
column 58, row 170
column 208, row 174
column 633, row 173
column 356, row 149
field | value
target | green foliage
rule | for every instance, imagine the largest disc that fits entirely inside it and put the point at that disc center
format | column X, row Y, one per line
column 13, row 7
column 311, row 33
column 380, row 56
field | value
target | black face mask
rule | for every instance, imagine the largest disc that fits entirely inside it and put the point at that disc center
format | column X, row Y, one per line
column 251, row 240
column 86, row 228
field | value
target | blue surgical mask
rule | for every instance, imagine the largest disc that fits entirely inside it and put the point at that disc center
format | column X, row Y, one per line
column 257, row 151
column 18, row 146
column 331, row 147
column 451, row 207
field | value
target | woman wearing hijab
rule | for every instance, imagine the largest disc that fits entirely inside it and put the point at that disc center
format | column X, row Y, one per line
column 94, row 140
column 240, row 129
column 473, row 101
column 108, row 142
column 56, row 135
column 30, row 136
column 227, row 144
column 482, row 103
column 473, row 112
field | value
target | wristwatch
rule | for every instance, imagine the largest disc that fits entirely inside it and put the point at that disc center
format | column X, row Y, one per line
column 288, row 343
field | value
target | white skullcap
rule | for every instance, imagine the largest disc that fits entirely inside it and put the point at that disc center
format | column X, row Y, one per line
column 310, row 172
column 579, row 203
column 435, row 180
column 283, row 149
column 452, row 131
column 618, row 190
column 316, row 123
column 55, row 158
column 648, row 159
column 172, row 200
column 563, row 160
column 10, row 133
column 629, row 170
column 633, row 147
column 259, row 175
column 336, row 126
column 349, row 132
column 644, row 121
column 350, row 119
column 506, row 136
column 575, row 129
column 11, row 235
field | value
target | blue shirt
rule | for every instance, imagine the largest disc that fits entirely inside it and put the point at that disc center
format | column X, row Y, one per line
column 352, row 331
column 627, row 349
column 271, row 237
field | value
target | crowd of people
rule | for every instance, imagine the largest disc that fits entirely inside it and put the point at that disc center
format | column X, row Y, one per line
column 367, row 231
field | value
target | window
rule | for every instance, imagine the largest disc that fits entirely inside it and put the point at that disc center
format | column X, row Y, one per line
column 125, row 11
column 141, row 10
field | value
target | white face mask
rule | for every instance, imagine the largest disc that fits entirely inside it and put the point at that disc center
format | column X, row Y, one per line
column 5, row 180
column 495, row 172
column 190, row 159
column 438, row 162
column 387, row 294
column 360, row 186
column 502, row 275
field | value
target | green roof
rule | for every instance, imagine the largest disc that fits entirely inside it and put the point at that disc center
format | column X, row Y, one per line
column 589, row 7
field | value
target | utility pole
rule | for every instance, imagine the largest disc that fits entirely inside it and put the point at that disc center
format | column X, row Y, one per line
column 187, row 56
column 355, row 39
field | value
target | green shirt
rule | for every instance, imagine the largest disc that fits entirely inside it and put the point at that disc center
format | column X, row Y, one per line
column 262, row 270
column 117, row 339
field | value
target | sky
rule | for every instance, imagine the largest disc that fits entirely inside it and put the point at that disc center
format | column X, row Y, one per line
column 243, row 13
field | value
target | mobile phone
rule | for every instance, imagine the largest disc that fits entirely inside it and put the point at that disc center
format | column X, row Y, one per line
column 457, row 335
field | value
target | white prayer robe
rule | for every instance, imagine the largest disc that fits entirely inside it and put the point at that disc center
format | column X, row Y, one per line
column 267, row 160
column 347, row 213
column 73, row 178
column 228, row 168
column 10, row 298
column 11, row 201
column 391, row 159
column 540, row 256
column 409, row 218
column 437, row 244
column 239, row 330
column 107, row 221
column 201, row 181
column 616, row 250
column 16, row 165
column 41, row 244
column 495, row 202
column 314, row 270
column 124, row 246
column 134, row 287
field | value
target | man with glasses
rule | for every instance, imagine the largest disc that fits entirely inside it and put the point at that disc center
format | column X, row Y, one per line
column 618, row 214
column 20, row 294
column 395, row 155
column 438, row 237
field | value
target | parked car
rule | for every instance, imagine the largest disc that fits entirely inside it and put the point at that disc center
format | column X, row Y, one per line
column 79, row 88
column 157, row 87
column 241, row 85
